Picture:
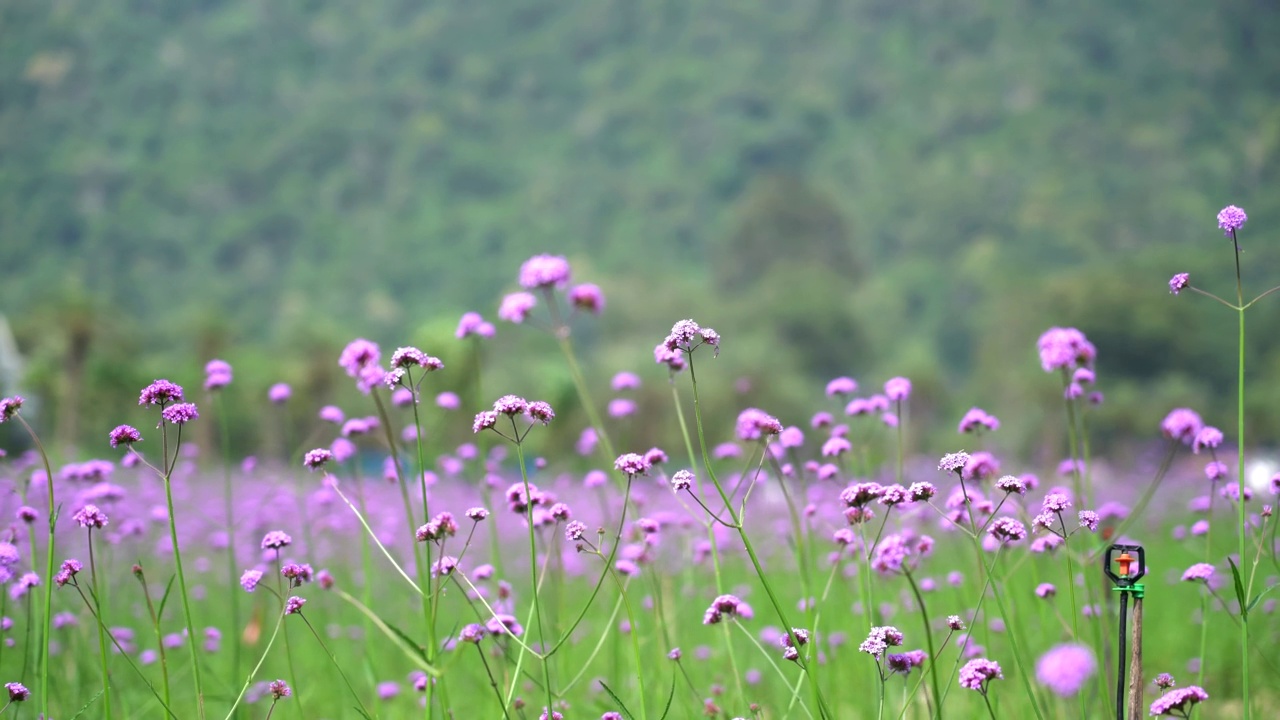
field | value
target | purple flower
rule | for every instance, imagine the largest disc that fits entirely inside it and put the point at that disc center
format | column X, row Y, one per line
column 358, row 355
column 1012, row 485
column 753, row 424
column 890, row 554
column 587, row 297
column 27, row 514
column 903, row 663
column 1062, row 348
column 279, row 689
column 975, row 674
column 921, row 491
column 880, row 639
column 954, row 462
column 977, row 418
column 68, row 571
column 316, row 458
column 1208, row 437
column 1065, row 669
column 1164, row 681
column 574, row 531
column 249, row 580
column 275, row 540
column 631, row 464
column 1179, row 282
column 625, row 381
column 444, row 566
column 1088, row 520
column 160, row 392
column 860, row 494
column 297, row 574
column 124, row 435
column 954, row 622
column 279, row 393
column 682, row 480
column 477, row 514
column 842, row 386
column 472, row 633
column 687, row 335
column 1007, row 529
column 17, row 692
column 981, row 465
column 511, row 405
column 1180, row 700
column 725, row 605
column 1182, row 424
column 180, row 414
column 332, row 414
column 544, row 271
column 1200, row 572
column 897, row 389
column 1046, row 590
column 503, row 623
column 472, row 323
column 1230, row 219
column 515, row 308
column 90, row 517
column 294, row 605
column 541, row 411
column 835, row 447
column 485, row 420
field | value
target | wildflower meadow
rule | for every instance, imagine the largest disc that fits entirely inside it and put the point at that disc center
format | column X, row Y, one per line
column 418, row 555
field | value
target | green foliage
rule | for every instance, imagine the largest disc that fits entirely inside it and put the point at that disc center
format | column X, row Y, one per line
column 285, row 176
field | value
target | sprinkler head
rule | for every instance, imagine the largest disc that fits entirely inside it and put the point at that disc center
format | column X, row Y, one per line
column 1131, row 568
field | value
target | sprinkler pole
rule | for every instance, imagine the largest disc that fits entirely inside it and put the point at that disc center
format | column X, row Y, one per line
column 1131, row 569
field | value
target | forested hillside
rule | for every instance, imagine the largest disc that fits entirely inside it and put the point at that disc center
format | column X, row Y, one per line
column 870, row 187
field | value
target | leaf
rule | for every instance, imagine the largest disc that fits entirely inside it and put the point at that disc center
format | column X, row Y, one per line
column 164, row 598
column 616, row 699
column 670, row 696
column 406, row 644
column 92, row 700
column 363, row 714
column 1260, row 595
column 1240, row 596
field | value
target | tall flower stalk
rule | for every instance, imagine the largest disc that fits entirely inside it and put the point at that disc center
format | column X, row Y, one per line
column 168, row 396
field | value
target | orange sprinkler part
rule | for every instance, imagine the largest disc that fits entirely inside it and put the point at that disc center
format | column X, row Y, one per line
column 1125, row 560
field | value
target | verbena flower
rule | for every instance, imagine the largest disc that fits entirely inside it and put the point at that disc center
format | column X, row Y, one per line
column 954, row 462
column 541, row 412
column 91, row 517
column 631, row 464
column 903, row 663
column 275, row 540
column 249, row 580
column 358, row 355
column 1209, row 437
column 879, row 639
column 545, row 271
column 1064, row 348
column 124, row 435
column 293, row 605
column 724, row 605
column 472, row 633
column 1182, row 424
column 1164, row 681
column 1179, row 282
column 515, row 308
column 485, row 420
column 754, row 424
column 977, row 672
column 1180, row 701
column 180, row 413
column 1230, row 219
column 160, row 392
column 977, row 418
column 472, row 323
column 1066, row 668
column 921, row 491
column 1200, row 572
column 1007, row 529
column 1046, row 590
column 315, row 459
column 70, row 568
column 587, row 297
column 897, row 389
column 842, row 386
column 1012, row 485
column 17, row 692
column 279, row 689
column 279, row 393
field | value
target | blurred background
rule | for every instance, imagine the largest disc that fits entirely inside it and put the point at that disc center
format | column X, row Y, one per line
column 867, row 188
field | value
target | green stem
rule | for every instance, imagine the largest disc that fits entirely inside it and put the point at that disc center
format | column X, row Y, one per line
column 533, row 565
column 928, row 636
column 48, row 574
column 102, row 632
column 1244, row 617
column 182, row 578
column 334, row 659
column 229, row 508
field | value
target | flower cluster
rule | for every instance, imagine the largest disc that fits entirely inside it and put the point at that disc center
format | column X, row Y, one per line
column 1180, row 701
column 977, row 672
column 881, row 638
column 728, row 605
